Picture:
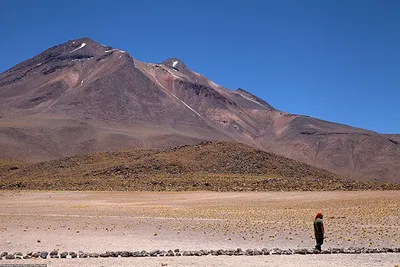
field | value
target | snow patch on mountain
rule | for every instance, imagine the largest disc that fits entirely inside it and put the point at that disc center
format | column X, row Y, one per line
column 80, row 47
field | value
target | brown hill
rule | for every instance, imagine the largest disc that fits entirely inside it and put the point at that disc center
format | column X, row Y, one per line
column 81, row 97
column 221, row 166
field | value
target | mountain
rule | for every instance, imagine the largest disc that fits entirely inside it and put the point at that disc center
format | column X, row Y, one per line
column 81, row 97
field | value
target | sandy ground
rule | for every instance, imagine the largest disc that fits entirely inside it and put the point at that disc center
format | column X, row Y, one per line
column 111, row 221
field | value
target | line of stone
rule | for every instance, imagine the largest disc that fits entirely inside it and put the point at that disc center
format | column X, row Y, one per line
column 177, row 252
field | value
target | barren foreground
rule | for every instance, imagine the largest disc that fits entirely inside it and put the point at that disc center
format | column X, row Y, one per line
column 136, row 221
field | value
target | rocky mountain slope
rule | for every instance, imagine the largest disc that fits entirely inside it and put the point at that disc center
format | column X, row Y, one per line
column 81, row 97
column 211, row 166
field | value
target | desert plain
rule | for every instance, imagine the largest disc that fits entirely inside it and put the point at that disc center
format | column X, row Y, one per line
column 96, row 222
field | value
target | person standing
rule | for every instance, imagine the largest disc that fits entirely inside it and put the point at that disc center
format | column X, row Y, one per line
column 319, row 230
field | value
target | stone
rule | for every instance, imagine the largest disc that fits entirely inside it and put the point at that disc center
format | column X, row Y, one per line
column 197, row 253
column 335, row 250
column 29, row 253
column 135, row 254
column 170, row 253
column 275, row 251
column 82, row 254
column 54, row 253
column 239, row 252
column 301, row 251
column 36, row 255
column 44, row 254
column 9, row 257
column 93, row 255
column 176, row 250
column 112, row 254
column 205, row 252
column 126, row 254
column 144, row 253
column 257, row 252
column 326, row 251
column 154, row 253
column 3, row 254
column 73, row 254
column 221, row 252
column 230, row 252
column 287, row 252
column 63, row 254
column 186, row 253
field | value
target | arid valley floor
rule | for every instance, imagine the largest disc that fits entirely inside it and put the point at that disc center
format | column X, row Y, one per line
column 136, row 221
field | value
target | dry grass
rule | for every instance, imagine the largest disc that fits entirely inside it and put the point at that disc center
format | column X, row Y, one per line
column 264, row 219
column 214, row 166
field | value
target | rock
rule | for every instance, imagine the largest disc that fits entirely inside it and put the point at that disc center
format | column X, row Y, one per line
column 8, row 242
column 205, row 252
column 44, row 254
column 126, row 254
column 25, row 257
column 249, row 252
column 257, row 252
column 135, row 254
column 326, row 251
column 18, row 254
column 93, row 255
column 335, row 250
column 186, row 253
column 29, row 253
column 301, row 251
column 287, row 252
column 36, row 255
column 104, row 255
column 73, row 254
column 54, row 253
column 144, row 253
column 154, row 253
column 275, row 251
column 221, row 252
column 3, row 254
column 82, row 254
column 112, row 254
column 63, row 254
column 9, row 257
column 197, row 253
column 176, row 250
column 230, row 252
column 170, row 253
column 239, row 252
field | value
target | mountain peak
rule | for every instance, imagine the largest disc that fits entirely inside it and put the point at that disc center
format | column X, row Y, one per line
column 174, row 63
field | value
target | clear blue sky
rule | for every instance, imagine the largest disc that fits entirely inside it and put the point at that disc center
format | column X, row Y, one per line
column 335, row 60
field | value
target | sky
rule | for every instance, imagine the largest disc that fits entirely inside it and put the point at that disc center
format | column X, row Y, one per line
column 334, row 60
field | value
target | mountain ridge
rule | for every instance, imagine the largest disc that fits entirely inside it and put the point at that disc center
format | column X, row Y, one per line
column 81, row 97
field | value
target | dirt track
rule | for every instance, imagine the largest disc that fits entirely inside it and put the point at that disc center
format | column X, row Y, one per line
column 102, row 221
